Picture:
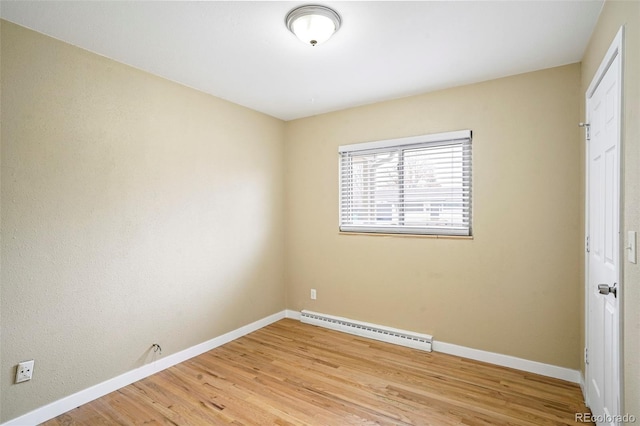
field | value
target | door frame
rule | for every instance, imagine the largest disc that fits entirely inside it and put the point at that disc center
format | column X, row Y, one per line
column 614, row 52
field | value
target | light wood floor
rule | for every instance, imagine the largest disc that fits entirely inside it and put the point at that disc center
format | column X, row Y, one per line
column 291, row 373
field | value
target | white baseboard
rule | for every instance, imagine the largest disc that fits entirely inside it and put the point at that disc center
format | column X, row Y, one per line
column 547, row 370
column 509, row 361
column 70, row 402
column 293, row 314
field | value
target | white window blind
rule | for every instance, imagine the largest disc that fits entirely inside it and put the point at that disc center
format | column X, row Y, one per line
column 416, row 185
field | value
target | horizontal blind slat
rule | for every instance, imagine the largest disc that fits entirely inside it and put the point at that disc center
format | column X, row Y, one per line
column 423, row 188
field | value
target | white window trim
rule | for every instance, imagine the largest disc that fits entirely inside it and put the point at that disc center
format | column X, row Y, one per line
column 414, row 142
column 390, row 143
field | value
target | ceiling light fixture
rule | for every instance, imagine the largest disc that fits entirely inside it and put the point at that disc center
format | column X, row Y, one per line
column 313, row 24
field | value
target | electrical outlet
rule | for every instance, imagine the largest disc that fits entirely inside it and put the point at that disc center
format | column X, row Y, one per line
column 24, row 371
column 313, row 294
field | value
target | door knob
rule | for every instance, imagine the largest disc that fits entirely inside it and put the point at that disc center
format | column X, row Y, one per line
column 605, row 289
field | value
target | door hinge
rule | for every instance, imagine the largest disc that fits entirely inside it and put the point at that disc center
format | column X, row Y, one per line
column 587, row 126
column 586, row 356
column 587, row 244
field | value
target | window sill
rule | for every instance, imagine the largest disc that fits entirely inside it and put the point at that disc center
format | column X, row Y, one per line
column 378, row 234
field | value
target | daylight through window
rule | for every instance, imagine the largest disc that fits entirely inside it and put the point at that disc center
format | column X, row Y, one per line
column 416, row 185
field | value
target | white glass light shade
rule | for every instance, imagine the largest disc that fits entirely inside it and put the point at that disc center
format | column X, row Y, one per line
column 313, row 24
column 313, row 29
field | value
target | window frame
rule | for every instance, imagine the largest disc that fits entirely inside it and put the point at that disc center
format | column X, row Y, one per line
column 462, row 138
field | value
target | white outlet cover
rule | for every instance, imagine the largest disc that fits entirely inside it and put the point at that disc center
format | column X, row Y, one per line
column 24, row 371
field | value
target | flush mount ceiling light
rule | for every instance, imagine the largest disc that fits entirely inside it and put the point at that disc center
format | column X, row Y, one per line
column 313, row 24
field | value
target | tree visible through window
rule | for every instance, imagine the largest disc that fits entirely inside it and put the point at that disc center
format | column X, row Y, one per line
column 418, row 185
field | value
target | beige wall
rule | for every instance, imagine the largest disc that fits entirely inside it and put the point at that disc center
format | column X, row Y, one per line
column 118, row 227
column 614, row 15
column 514, row 289
column 134, row 211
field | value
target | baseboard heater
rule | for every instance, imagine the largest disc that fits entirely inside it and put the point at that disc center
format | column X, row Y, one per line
column 371, row 331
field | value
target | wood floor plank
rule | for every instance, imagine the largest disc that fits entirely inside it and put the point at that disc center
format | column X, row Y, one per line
column 294, row 374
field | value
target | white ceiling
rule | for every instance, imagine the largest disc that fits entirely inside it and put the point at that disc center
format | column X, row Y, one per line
column 241, row 51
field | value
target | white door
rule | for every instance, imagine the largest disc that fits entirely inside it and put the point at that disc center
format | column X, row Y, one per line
column 603, row 232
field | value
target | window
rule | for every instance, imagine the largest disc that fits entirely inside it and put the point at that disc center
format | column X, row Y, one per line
column 416, row 185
